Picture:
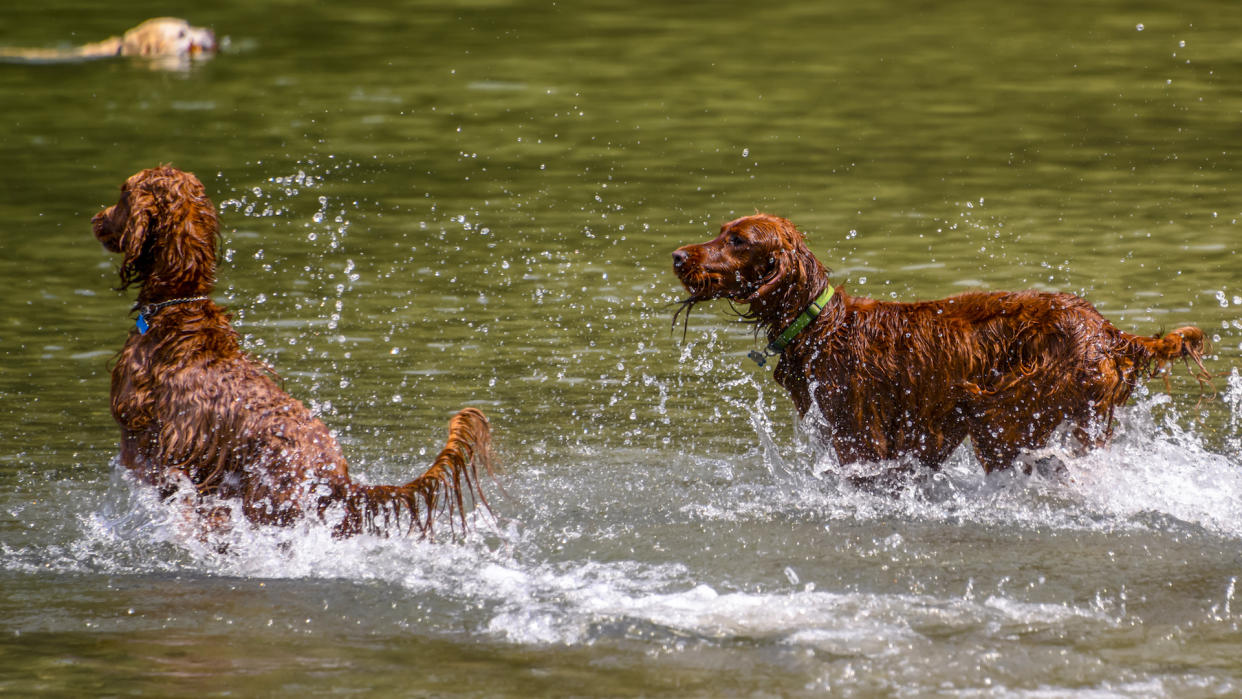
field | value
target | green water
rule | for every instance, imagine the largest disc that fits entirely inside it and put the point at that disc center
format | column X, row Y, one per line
column 426, row 206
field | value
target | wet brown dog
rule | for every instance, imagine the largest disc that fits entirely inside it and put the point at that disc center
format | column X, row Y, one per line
column 902, row 381
column 195, row 410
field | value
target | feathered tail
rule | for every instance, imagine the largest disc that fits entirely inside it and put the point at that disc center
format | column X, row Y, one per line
column 1186, row 342
column 440, row 492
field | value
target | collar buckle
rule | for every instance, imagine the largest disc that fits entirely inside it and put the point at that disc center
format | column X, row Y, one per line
column 760, row 358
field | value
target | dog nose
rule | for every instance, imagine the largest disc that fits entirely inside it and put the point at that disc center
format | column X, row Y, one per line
column 679, row 258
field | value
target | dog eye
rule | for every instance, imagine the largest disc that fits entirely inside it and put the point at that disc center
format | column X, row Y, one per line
column 736, row 240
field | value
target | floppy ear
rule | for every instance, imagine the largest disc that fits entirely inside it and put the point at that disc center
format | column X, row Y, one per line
column 786, row 251
column 782, row 263
column 136, row 234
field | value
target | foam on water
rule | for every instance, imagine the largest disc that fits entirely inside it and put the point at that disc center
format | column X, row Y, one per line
column 509, row 577
column 1151, row 476
column 1153, row 471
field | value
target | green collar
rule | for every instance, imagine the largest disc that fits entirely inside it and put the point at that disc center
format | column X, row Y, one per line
column 799, row 324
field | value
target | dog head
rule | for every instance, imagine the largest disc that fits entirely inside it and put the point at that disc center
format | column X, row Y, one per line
column 165, row 229
column 752, row 258
column 168, row 36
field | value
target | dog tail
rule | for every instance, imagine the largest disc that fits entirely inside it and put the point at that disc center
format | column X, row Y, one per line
column 1187, row 342
column 455, row 471
column 441, row 490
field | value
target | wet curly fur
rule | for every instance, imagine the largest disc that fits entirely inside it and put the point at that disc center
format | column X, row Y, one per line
column 194, row 408
column 910, row 381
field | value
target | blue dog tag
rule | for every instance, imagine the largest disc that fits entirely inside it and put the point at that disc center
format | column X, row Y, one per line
column 142, row 325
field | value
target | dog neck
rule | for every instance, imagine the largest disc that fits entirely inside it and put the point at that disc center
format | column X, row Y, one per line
column 145, row 312
column 777, row 346
column 190, row 275
column 803, row 280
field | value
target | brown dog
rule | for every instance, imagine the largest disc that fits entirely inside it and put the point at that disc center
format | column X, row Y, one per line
column 195, row 409
column 912, row 380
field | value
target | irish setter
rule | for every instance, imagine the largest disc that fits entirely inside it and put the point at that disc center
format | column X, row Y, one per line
column 910, row 381
column 195, row 410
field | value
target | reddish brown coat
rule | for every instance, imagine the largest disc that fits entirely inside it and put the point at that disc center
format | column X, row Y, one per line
column 194, row 407
column 913, row 380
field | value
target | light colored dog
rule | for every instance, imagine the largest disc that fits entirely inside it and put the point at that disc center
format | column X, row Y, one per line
column 162, row 38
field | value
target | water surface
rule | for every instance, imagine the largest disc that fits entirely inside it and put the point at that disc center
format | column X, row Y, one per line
column 426, row 206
